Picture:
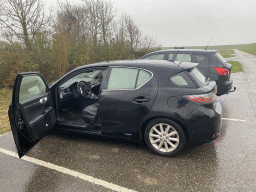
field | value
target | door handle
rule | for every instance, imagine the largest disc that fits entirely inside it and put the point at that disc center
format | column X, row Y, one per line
column 141, row 99
column 43, row 100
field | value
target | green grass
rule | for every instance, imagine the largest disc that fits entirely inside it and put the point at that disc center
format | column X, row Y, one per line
column 236, row 66
column 5, row 99
column 249, row 48
column 227, row 53
column 214, row 47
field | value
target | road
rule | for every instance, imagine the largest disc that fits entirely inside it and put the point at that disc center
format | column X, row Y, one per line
column 91, row 164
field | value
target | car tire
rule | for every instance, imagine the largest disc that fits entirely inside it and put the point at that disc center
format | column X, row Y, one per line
column 165, row 137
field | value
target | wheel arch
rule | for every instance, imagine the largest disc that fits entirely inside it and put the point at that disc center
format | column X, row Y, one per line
column 146, row 121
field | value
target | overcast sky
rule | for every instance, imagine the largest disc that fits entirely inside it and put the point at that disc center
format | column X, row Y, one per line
column 191, row 22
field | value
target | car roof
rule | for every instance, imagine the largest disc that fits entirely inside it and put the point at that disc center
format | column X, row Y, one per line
column 155, row 66
column 186, row 50
column 158, row 67
column 147, row 64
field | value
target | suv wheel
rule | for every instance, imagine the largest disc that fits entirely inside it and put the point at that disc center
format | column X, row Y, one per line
column 165, row 137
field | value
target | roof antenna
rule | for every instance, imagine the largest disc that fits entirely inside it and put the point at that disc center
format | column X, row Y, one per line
column 209, row 43
column 179, row 63
column 172, row 60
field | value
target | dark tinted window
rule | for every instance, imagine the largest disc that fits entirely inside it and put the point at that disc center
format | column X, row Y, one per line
column 203, row 62
column 200, row 58
column 182, row 80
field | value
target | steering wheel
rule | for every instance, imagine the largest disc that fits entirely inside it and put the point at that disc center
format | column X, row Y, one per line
column 84, row 88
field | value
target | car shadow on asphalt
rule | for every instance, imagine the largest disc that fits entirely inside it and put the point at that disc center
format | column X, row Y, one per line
column 188, row 151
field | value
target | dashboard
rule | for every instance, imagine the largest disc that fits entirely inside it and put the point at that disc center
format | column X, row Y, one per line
column 69, row 90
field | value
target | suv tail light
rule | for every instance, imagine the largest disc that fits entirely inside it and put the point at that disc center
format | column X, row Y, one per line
column 202, row 99
column 222, row 71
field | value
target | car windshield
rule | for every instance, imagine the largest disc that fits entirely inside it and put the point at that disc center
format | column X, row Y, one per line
column 87, row 74
column 83, row 76
column 220, row 57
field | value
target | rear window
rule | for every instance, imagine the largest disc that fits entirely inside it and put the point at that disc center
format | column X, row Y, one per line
column 198, row 76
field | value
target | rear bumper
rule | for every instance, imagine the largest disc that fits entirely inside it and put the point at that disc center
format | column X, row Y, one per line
column 224, row 88
column 204, row 123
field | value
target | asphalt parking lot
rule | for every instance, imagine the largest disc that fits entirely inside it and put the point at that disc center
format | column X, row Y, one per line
column 61, row 162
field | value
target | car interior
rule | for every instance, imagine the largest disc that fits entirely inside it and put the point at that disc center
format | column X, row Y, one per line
column 77, row 98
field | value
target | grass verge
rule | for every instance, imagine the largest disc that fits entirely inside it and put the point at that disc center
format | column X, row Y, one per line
column 248, row 48
column 227, row 53
column 236, row 66
column 5, row 100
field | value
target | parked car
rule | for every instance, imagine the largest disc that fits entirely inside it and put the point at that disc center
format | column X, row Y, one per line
column 211, row 64
column 166, row 105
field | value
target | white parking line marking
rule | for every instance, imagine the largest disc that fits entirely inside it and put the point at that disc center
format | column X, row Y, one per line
column 68, row 172
column 234, row 119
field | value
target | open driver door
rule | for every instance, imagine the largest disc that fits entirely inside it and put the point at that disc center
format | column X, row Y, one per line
column 31, row 112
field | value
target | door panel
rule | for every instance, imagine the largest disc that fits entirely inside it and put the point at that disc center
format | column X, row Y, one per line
column 31, row 112
column 37, row 117
column 121, row 110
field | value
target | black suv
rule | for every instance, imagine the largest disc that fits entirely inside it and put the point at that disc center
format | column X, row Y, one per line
column 211, row 64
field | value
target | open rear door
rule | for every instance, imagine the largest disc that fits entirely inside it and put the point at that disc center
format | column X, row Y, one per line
column 31, row 112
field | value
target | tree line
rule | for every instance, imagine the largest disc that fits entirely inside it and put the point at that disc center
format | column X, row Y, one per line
column 75, row 35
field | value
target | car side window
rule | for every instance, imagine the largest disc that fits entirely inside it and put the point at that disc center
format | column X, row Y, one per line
column 122, row 78
column 203, row 62
column 127, row 78
column 170, row 56
column 31, row 87
column 155, row 57
column 183, row 57
column 182, row 80
column 142, row 78
column 202, row 59
column 179, row 80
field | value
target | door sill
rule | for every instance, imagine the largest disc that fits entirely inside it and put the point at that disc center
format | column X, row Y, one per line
column 80, row 131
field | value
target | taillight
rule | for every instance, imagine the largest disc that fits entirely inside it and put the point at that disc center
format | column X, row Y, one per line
column 222, row 71
column 202, row 99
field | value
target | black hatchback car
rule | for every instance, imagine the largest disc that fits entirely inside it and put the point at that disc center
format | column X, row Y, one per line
column 211, row 64
column 164, row 104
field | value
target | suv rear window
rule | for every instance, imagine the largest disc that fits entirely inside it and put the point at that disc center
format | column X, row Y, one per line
column 198, row 76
